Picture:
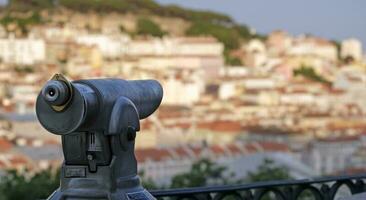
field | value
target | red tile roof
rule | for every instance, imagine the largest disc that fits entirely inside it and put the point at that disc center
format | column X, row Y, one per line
column 250, row 148
column 233, row 149
column 5, row 145
column 273, row 146
column 192, row 152
column 17, row 160
column 217, row 150
column 180, row 125
column 340, row 139
column 2, row 164
column 152, row 153
column 181, row 152
column 221, row 126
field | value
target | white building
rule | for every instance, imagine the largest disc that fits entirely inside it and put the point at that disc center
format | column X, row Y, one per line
column 24, row 96
column 178, row 53
column 297, row 99
column 254, row 83
column 26, row 51
column 352, row 81
column 234, row 71
column 310, row 46
column 201, row 46
column 256, row 53
column 162, row 164
column 278, row 42
column 181, row 92
column 331, row 155
column 227, row 90
column 110, row 46
column 351, row 48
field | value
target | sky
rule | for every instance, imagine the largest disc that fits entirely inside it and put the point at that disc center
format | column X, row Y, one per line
column 332, row 19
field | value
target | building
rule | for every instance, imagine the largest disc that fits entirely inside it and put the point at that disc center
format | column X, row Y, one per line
column 181, row 92
column 332, row 154
column 162, row 164
column 278, row 42
column 312, row 46
column 22, row 51
column 202, row 53
column 351, row 48
column 176, row 46
column 256, row 53
column 111, row 46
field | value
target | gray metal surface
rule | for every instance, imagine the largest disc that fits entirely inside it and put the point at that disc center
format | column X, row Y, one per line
column 361, row 196
column 98, row 121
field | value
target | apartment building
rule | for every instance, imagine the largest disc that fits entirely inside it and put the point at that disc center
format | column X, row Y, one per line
column 22, row 51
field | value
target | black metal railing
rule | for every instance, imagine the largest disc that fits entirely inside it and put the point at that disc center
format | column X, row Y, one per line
column 319, row 189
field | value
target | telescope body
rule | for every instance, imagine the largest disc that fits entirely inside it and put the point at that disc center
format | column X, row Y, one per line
column 98, row 120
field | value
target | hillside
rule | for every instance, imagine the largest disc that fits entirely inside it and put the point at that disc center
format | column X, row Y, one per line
column 196, row 22
column 131, row 6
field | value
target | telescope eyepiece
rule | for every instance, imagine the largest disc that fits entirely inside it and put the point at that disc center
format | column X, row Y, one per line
column 55, row 93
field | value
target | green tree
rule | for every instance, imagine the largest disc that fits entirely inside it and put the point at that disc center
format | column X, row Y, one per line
column 268, row 171
column 147, row 27
column 18, row 186
column 243, row 31
column 309, row 73
column 26, row 5
column 23, row 23
column 228, row 36
column 24, row 69
column 145, row 7
column 203, row 172
column 122, row 29
column 148, row 183
column 230, row 60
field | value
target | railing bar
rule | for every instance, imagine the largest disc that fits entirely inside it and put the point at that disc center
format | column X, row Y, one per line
column 213, row 189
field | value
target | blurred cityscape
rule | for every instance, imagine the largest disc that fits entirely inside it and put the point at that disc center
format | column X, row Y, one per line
column 299, row 100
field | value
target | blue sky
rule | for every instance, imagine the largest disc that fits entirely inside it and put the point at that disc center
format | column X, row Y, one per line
column 333, row 19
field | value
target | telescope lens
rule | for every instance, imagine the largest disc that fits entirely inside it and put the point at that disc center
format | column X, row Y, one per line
column 55, row 93
column 51, row 92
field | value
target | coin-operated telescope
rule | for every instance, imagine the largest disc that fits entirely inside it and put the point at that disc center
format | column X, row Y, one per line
column 98, row 120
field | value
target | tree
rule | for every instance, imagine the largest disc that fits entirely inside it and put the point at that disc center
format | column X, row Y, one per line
column 268, row 171
column 244, row 31
column 227, row 35
column 148, row 183
column 309, row 73
column 230, row 60
column 203, row 172
column 23, row 23
column 147, row 27
column 18, row 186
column 26, row 5
column 122, row 29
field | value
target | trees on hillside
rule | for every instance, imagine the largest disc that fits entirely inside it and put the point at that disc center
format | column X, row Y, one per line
column 310, row 73
column 148, row 27
column 227, row 35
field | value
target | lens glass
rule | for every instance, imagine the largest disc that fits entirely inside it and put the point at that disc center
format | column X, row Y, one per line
column 51, row 92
